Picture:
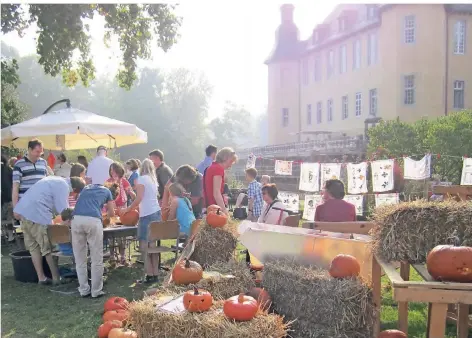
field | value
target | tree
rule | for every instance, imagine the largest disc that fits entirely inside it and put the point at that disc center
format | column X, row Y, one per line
column 13, row 110
column 63, row 31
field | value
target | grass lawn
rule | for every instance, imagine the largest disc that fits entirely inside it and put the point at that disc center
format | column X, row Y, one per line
column 29, row 310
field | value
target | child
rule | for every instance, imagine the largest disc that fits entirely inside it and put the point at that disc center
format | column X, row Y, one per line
column 181, row 208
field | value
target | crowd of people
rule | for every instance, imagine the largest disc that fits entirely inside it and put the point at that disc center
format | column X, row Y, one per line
column 83, row 193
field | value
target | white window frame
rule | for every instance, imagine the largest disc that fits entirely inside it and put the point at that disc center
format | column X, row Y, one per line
column 371, row 11
column 460, row 37
column 308, row 115
column 285, row 117
column 329, row 110
column 409, row 89
column 409, row 29
column 342, row 59
column 373, row 102
column 330, row 63
column 305, row 73
column 317, row 73
column 459, row 89
column 358, row 104
column 372, row 48
column 319, row 112
column 345, row 107
column 356, row 54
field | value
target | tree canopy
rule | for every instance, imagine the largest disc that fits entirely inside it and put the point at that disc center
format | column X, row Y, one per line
column 63, row 32
column 13, row 110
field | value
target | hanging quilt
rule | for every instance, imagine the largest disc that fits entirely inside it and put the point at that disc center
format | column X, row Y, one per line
column 330, row 171
column 283, row 167
column 357, row 201
column 357, row 178
column 466, row 178
column 309, row 208
column 309, row 177
column 417, row 170
column 382, row 175
column 251, row 161
column 385, row 199
column 290, row 199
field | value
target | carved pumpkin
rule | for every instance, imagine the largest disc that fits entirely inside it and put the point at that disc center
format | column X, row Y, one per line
column 392, row 334
column 120, row 315
column 217, row 219
column 212, row 208
column 197, row 300
column 261, row 296
column 452, row 263
column 122, row 333
column 130, row 218
column 187, row 272
column 105, row 328
column 241, row 308
column 115, row 303
column 343, row 266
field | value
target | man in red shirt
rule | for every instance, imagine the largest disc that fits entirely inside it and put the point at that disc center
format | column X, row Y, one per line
column 334, row 208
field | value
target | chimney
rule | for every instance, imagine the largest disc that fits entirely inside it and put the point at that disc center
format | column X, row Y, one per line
column 286, row 12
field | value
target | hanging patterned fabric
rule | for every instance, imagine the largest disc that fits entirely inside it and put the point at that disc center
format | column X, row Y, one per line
column 466, row 178
column 283, row 167
column 251, row 161
column 309, row 177
column 290, row 199
column 330, row 171
column 357, row 178
column 417, row 170
column 382, row 175
column 357, row 201
column 385, row 199
column 309, row 208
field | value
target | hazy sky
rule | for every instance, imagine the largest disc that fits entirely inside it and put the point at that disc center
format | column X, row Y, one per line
column 227, row 40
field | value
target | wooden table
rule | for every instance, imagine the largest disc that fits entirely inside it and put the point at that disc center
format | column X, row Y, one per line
column 119, row 232
column 437, row 294
column 460, row 192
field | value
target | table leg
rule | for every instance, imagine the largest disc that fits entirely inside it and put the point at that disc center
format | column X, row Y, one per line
column 463, row 320
column 376, row 290
column 403, row 306
column 437, row 314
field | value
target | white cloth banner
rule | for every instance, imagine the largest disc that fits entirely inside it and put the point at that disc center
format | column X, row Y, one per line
column 283, row 167
column 309, row 208
column 357, row 201
column 309, row 177
column 382, row 175
column 357, row 178
column 466, row 178
column 330, row 171
column 417, row 170
column 385, row 199
column 251, row 161
column 290, row 199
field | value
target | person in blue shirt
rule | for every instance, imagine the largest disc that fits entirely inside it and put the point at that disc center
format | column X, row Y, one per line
column 181, row 208
column 133, row 167
column 35, row 209
column 86, row 229
column 210, row 151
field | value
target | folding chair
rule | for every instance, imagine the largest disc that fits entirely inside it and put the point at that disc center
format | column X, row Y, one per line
column 60, row 234
column 292, row 221
column 182, row 243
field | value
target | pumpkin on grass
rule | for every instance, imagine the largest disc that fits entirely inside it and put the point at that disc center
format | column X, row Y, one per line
column 197, row 300
column 241, row 308
column 261, row 296
column 115, row 303
column 122, row 333
column 343, row 266
column 392, row 334
column 121, row 315
column 105, row 328
column 217, row 219
column 130, row 218
column 187, row 272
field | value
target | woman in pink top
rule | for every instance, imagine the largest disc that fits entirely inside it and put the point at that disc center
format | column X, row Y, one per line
column 334, row 208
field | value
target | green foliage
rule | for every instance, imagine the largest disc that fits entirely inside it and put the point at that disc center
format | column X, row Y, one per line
column 13, row 110
column 62, row 33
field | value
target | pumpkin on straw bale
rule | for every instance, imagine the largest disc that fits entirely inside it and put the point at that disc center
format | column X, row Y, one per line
column 149, row 322
column 320, row 305
column 409, row 231
column 213, row 245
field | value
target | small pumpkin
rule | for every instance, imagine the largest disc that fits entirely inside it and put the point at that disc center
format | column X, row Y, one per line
column 212, row 208
column 130, row 218
column 121, row 315
column 343, row 266
column 241, row 308
column 392, row 334
column 217, row 219
column 115, row 303
column 261, row 296
column 187, row 272
column 452, row 263
column 122, row 333
column 197, row 300
column 105, row 328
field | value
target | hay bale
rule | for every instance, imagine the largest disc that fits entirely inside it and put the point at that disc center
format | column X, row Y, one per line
column 215, row 245
column 321, row 306
column 408, row 231
column 148, row 322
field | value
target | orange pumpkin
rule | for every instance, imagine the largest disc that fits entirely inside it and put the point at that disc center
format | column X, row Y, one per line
column 212, row 208
column 121, row 315
column 197, row 300
column 105, row 328
column 261, row 296
column 450, row 263
column 122, row 333
column 343, row 266
column 392, row 334
column 130, row 218
column 217, row 219
column 241, row 308
column 115, row 303
column 187, row 272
